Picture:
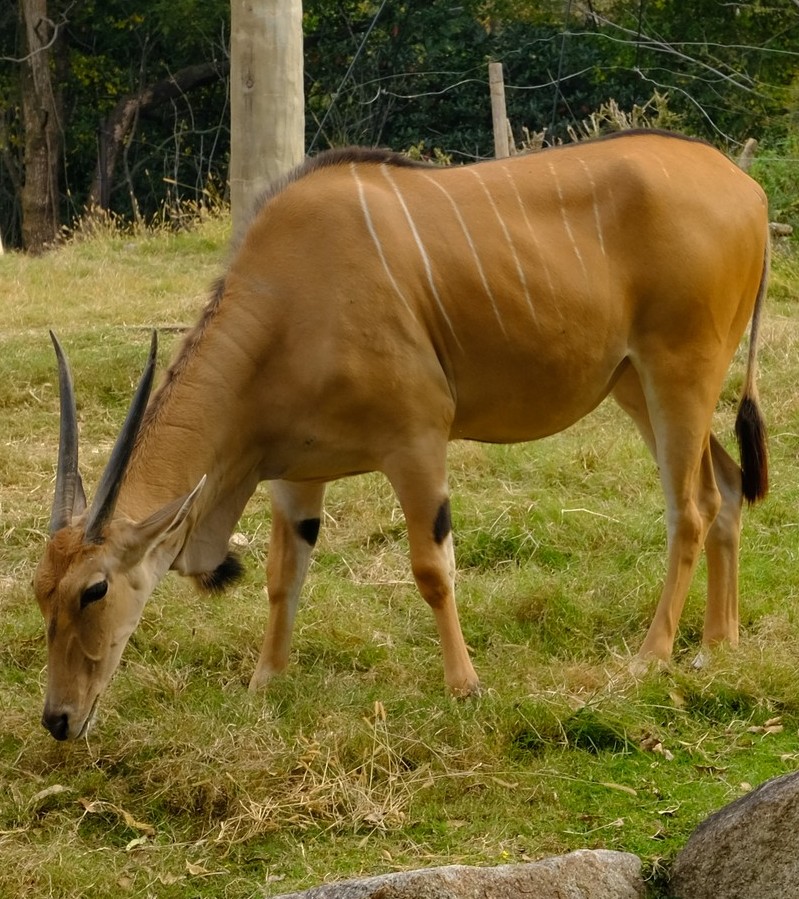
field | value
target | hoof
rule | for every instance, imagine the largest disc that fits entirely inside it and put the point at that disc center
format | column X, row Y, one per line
column 641, row 665
column 466, row 690
column 260, row 681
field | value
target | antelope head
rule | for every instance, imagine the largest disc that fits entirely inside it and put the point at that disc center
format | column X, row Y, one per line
column 99, row 568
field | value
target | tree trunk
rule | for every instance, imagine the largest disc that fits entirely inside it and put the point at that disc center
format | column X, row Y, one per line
column 267, row 102
column 43, row 132
column 118, row 126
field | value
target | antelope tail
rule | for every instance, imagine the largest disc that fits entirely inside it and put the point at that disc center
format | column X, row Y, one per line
column 750, row 426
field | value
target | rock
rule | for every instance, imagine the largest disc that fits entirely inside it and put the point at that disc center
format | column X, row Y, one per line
column 746, row 850
column 585, row 874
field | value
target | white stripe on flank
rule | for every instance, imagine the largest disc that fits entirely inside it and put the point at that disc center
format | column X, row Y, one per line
column 663, row 167
column 472, row 247
column 597, row 220
column 506, row 232
column 379, row 246
column 566, row 224
column 533, row 234
column 422, row 251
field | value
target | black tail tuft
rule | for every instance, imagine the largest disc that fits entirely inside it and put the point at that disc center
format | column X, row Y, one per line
column 750, row 429
column 225, row 574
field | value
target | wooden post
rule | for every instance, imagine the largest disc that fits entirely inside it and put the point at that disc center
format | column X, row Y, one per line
column 267, row 101
column 747, row 154
column 499, row 113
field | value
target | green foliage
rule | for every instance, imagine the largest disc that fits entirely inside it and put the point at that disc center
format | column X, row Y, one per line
column 420, row 81
column 776, row 167
column 113, row 50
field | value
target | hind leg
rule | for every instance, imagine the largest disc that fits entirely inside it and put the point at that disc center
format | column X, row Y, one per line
column 419, row 480
column 296, row 517
column 698, row 510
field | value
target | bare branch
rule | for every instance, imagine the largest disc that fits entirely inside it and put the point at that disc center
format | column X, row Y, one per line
column 56, row 26
column 121, row 121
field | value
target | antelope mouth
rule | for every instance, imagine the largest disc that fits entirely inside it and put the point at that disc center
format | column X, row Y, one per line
column 89, row 719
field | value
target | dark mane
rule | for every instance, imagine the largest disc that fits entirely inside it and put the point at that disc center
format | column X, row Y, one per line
column 346, row 155
column 187, row 348
column 335, row 157
column 660, row 132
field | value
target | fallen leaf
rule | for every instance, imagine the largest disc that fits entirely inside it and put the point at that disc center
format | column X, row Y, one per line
column 98, row 807
column 652, row 744
column 767, row 728
column 137, row 825
column 134, row 844
column 40, row 799
column 200, row 871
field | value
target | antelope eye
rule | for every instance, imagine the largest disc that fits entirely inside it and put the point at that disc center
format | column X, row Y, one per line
column 94, row 593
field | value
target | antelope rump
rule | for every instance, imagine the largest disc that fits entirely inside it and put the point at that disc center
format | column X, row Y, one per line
column 377, row 309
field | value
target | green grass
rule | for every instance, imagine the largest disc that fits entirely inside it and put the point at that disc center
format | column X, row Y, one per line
column 356, row 761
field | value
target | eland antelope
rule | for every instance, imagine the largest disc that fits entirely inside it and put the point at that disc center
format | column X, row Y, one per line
column 377, row 309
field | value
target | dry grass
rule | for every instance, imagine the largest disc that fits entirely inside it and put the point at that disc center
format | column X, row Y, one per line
column 355, row 761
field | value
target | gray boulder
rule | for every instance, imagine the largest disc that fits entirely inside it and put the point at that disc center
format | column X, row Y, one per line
column 585, row 874
column 746, row 850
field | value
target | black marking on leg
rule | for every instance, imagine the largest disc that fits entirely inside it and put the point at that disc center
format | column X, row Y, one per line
column 308, row 529
column 225, row 574
column 443, row 523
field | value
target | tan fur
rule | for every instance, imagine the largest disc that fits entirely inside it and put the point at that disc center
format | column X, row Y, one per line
column 375, row 311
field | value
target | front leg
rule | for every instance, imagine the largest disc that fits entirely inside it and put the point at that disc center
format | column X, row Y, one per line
column 419, row 480
column 296, row 517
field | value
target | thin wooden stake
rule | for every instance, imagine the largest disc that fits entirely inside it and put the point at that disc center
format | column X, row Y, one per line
column 747, row 154
column 499, row 115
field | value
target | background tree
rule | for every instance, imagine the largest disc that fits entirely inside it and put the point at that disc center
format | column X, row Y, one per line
column 146, row 116
column 40, row 89
column 117, row 128
column 126, row 70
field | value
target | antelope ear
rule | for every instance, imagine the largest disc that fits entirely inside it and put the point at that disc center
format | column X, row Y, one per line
column 163, row 523
column 147, row 536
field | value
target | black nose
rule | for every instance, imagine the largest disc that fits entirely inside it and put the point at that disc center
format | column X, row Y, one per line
column 58, row 725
